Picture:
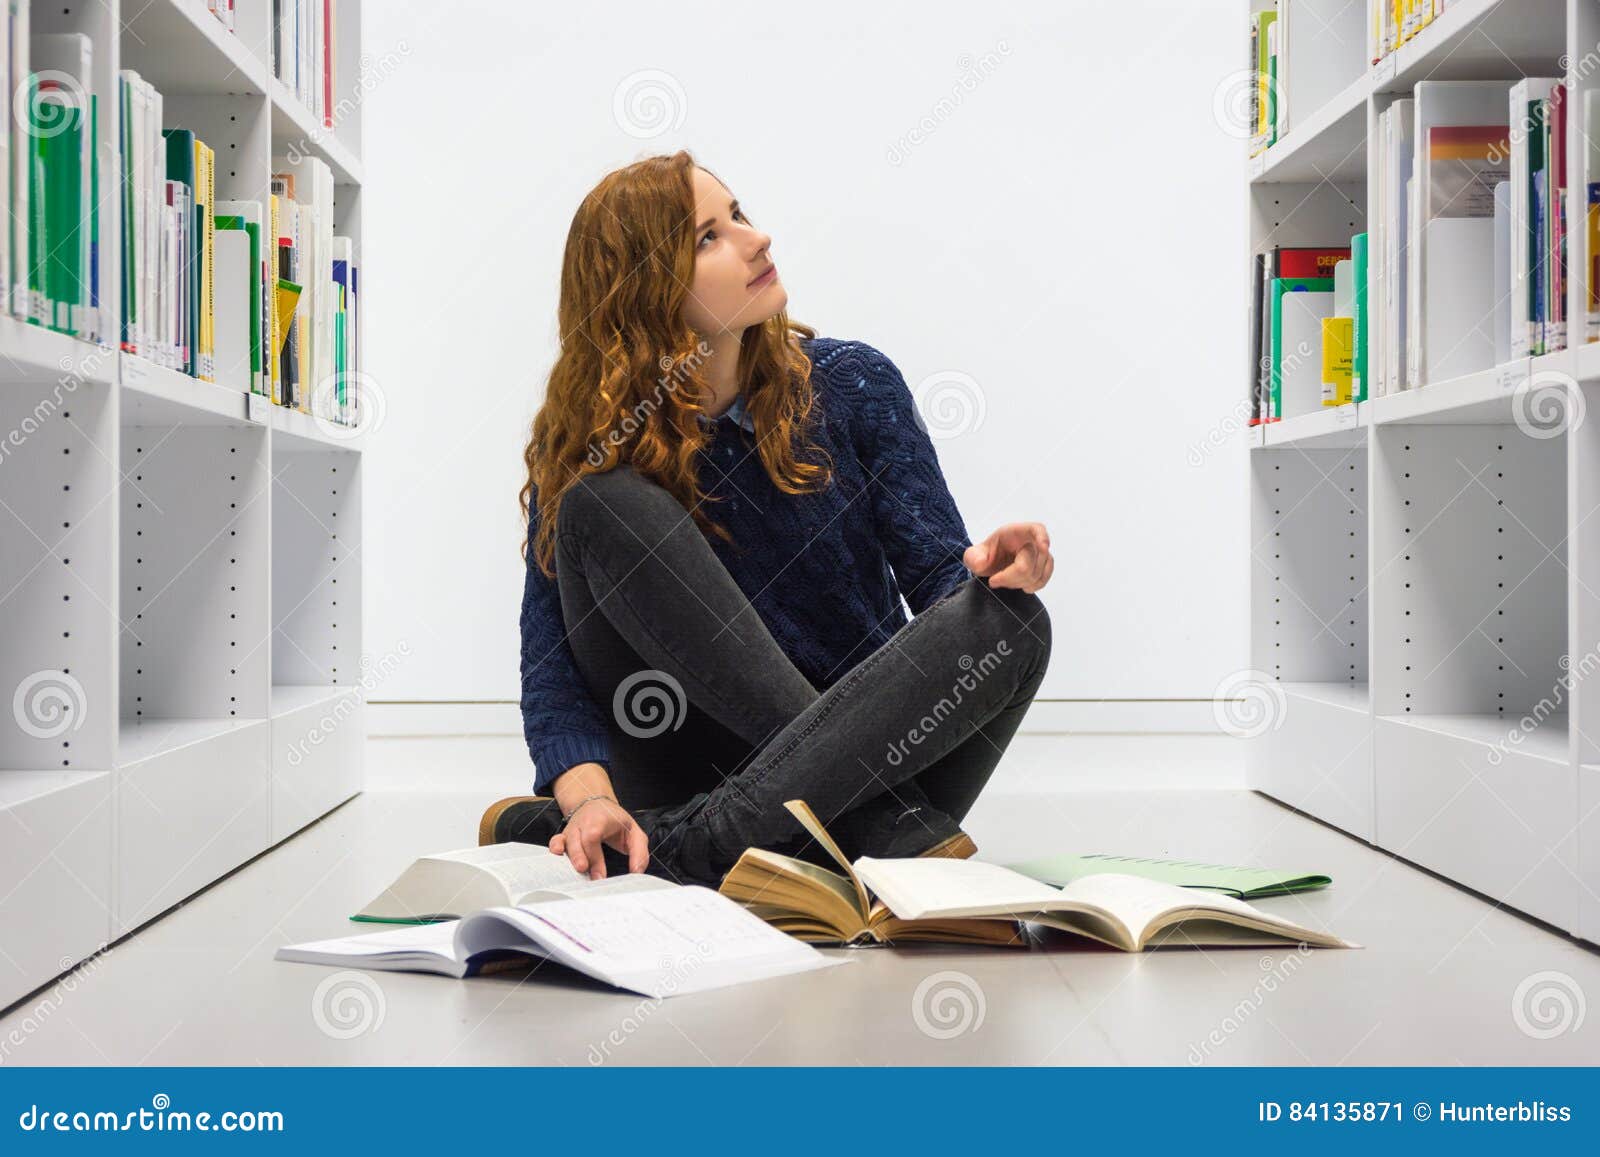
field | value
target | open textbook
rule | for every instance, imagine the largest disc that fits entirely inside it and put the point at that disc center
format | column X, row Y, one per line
column 447, row 885
column 658, row 942
column 1128, row 912
column 975, row 902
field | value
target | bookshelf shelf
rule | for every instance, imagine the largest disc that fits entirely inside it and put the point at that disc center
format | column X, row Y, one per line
column 1332, row 426
column 181, row 572
column 180, row 47
column 1424, row 563
column 157, row 396
column 293, row 124
column 1331, row 143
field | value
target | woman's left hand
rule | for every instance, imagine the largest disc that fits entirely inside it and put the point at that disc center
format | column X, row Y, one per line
column 1016, row 555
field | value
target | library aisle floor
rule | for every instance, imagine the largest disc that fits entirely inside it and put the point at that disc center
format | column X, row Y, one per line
column 1444, row 978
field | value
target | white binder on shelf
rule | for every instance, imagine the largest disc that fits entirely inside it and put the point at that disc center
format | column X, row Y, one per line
column 1300, row 350
column 1502, row 272
column 1438, row 103
column 1319, row 55
column 1395, row 174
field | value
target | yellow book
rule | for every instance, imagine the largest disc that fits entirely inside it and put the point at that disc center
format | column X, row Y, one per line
column 1337, row 335
column 205, row 200
column 275, row 332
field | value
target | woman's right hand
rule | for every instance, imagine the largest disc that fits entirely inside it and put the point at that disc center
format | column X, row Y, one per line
column 599, row 822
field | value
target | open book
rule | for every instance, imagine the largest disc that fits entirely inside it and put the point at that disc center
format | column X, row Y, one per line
column 1127, row 912
column 659, row 942
column 812, row 903
column 968, row 901
column 447, row 885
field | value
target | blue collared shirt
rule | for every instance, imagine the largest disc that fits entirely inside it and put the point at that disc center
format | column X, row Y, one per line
column 736, row 412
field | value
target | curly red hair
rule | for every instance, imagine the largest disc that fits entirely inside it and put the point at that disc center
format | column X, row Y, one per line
column 628, row 384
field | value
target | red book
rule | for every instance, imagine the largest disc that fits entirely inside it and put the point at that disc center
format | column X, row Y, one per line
column 1308, row 262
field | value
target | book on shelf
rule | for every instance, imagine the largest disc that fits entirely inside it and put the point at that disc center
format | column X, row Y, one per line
column 1297, row 263
column 243, row 293
column 660, row 942
column 303, row 48
column 61, row 116
column 878, row 901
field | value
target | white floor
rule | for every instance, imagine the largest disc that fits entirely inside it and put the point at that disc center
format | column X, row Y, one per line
column 1437, row 982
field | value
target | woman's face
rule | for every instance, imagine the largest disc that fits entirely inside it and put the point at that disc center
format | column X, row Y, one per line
column 730, row 254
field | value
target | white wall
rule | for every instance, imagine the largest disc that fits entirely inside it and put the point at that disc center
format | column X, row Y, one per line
column 1067, row 232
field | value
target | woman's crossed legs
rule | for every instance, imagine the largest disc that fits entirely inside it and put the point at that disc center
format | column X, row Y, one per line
column 919, row 724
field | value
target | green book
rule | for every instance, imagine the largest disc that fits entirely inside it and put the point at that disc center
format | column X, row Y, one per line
column 1243, row 883
column 1358, row 372
column 1281, row 286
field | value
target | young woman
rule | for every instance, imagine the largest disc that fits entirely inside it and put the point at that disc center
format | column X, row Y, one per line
column 724, row 510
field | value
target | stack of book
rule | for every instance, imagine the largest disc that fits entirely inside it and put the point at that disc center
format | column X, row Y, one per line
column 303, row 46
column 1308, row 329
column 1302, row 53
column 1396, row 21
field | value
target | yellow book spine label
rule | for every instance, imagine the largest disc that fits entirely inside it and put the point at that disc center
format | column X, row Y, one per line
column 1337, row 360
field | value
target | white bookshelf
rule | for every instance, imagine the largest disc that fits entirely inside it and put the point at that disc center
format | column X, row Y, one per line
column 1424, row 570
column 183, row 568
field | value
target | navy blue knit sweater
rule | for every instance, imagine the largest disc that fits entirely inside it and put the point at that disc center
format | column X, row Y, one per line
column 825, row 571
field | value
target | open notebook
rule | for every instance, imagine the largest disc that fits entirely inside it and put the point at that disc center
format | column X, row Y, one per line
column 659, row 942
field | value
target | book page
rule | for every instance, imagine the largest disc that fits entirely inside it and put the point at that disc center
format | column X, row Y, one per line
column 659, row 942
column 586, row 889
column 1138, row 902
column 917, row 889
column 521, row 868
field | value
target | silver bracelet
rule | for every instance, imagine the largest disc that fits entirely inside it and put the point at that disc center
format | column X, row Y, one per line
column 566, row 819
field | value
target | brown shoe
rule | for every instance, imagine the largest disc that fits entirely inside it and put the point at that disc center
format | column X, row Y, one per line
column 526, row 819
column 956, row 847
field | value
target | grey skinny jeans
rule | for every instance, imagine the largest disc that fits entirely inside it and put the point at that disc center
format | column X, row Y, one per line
column 700, row 698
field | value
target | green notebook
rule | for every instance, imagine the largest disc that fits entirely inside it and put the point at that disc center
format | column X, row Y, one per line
column 1244, row 883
